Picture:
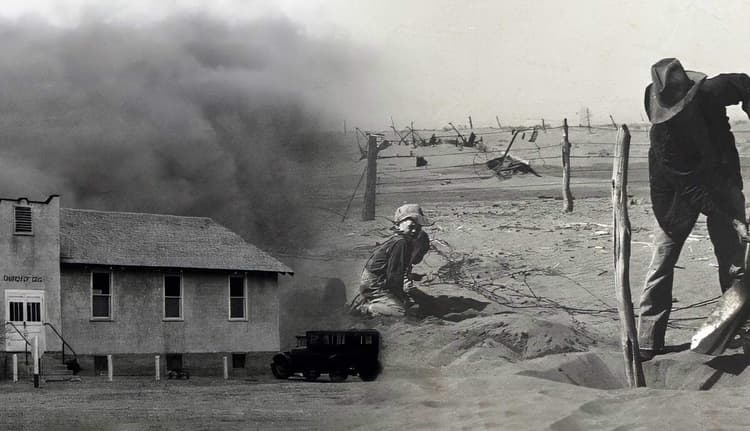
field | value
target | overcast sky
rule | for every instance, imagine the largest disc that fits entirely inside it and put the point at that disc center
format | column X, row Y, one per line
column 434, row 61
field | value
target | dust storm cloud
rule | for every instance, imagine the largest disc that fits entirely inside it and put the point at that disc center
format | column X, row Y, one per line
column 190, row 116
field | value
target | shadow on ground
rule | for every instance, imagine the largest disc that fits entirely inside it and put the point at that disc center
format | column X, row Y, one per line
column 446, row 307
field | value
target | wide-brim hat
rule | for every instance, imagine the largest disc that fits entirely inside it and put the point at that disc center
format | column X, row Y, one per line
column 671, row 89
column 412, row 211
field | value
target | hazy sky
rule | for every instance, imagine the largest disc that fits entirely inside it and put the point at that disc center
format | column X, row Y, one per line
column 434, row 61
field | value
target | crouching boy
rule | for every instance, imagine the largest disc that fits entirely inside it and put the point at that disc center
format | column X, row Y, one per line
column 381, row 289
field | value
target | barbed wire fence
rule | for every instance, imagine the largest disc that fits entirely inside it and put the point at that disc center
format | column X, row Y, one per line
column 485, row 153
column 537, row 146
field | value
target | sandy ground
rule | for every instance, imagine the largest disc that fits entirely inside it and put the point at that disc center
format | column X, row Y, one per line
column 521, row 329
column 517, row 327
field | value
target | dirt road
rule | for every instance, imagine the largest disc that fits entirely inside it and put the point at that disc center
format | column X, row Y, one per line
column 197, row 404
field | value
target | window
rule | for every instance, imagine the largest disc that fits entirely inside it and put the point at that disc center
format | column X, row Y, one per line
column 101, row 295
column 33, row 312
column 172, row 296
column 23, row 220
column 16, row 311
column 237, row 298
column 238, row 360
column 100, row 365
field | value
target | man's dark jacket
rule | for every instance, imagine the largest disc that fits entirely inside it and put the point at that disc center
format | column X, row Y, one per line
column 693, row 162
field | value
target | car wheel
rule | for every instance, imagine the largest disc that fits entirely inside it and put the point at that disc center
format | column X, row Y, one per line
column 280, row 370
column 311, row 375
column 369, row 373
column 338, row 375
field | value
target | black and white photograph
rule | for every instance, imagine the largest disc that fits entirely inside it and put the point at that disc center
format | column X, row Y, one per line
column 374, row 215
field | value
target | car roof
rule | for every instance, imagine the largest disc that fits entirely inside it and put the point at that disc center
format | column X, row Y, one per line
column 347, row 331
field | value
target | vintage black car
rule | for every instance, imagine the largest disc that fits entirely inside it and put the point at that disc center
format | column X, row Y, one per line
column 337, row 353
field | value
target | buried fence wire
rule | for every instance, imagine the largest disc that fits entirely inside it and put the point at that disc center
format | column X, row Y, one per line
column 454, row 271
column 698, row 304
column 468, row 165
column 517, row 186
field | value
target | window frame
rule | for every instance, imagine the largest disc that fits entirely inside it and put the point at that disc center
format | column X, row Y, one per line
column 111, row 296
column 244, row 298
column 15, row 220
column 164, row 297
column 236, row 358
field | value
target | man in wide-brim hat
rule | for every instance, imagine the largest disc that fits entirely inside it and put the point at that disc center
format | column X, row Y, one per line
column 694, row 168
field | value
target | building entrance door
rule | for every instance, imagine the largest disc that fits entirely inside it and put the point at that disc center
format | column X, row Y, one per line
column 25, row 310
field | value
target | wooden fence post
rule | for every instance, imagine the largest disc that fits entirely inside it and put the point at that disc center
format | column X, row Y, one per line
column 498, row 122
column 35, row 357
column 621, row 241
column 544, row 126
column 567, row 195
column 110, row 368
column 459, row 134
column 368, row 209
column 471, row 125
column 614, row 124
column 15, row 367
column 157, row 368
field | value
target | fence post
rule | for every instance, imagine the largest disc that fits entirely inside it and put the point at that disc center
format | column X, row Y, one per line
column 35, row 358
column 544, row 126
column 621, row 240
column 567, row 195
column 110, row 371
column 471, row 125
column 614, row 124
column 368, row 209
column 498, row 122
column 15, row 367
column 226, row 367
column 157, row 368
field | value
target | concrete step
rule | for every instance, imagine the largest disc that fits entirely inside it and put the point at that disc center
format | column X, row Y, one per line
column 71, row 378
column 58, row 371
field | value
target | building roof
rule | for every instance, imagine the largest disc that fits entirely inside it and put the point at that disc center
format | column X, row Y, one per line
column 156, row 240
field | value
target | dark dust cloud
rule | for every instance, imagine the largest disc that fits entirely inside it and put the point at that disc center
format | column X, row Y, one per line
column 189, row 116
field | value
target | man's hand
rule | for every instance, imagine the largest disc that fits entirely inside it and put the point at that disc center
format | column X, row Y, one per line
column 741, row 228
column 408, row 286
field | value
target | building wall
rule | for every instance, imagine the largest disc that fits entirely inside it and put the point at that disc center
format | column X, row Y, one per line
column 32, row 262
column 137, row 325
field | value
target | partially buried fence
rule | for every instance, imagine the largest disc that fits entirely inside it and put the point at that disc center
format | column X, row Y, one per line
column 558, row 155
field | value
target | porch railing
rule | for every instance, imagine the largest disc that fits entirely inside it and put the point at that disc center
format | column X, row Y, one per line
column 65, row 343
column 28, row 343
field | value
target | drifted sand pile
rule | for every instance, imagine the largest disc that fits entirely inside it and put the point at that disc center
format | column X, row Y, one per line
column 480, row 341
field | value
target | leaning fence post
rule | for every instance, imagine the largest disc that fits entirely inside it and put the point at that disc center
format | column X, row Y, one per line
column 621, row 240
column 567, row 195
column 368, row 210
